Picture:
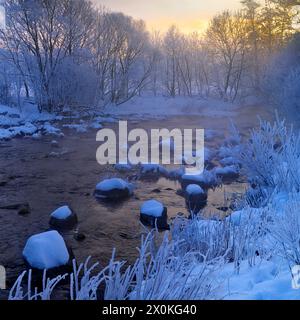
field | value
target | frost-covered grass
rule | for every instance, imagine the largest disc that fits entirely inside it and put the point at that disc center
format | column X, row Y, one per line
column 158, row 273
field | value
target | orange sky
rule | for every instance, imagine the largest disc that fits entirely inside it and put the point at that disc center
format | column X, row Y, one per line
column 188, row 15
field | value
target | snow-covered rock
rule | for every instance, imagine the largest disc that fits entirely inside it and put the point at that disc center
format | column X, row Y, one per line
column 96, row 125
column 113, row 189
column 80, row 127
column 152, row 171
column 153, row 213
column 229, row 161
column 207, row 179
column 48, row 129
column 195, row 198
column 54, row 144
column 194, row 189
column 228, row 172
column 46, row 250
column 63, row 217
column 27, row 129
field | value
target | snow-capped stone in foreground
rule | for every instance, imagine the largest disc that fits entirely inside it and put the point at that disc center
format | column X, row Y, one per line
column 195, row 198
column 46, row 250
column 63, row 217
column 113, row 189
column 153, row 213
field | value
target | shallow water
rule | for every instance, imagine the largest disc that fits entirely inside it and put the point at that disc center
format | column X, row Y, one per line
column 29, row 174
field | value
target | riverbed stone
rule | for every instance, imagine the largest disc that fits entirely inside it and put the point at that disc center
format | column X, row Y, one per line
column 195, row 198
column 154, row 214
column 114, row 189
column 63, row 218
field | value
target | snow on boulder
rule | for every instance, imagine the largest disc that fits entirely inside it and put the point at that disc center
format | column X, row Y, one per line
column 46, row 250
column 207, row 179
column 193, row 189
column 195, row 198
column 228, row 172
column 48, row 129
column 54, row 144
column 63, row 218
column 152, row 171
column 154, row 214
column 113, row 189
column 229, row 161
column 27, row 129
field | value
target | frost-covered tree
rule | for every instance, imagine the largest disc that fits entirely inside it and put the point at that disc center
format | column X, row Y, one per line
column 39, row 35
column 227, row 36
column 121, row 56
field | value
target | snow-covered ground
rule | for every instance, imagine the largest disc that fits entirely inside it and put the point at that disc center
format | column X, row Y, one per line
column 269, row 280
column 26, row 122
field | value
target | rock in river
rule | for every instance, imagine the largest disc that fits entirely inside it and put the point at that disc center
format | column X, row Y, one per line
column 195, row 198
column 46, row 250
column 154, row 214
column 113, row 189
column 63, row 218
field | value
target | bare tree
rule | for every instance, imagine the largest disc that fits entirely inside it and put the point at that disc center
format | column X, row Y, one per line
column 227, row 36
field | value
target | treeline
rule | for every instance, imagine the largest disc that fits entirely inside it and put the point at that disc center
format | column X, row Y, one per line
column 72, row 53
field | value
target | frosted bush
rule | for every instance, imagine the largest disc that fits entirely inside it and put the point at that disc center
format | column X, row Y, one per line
column 271, row 157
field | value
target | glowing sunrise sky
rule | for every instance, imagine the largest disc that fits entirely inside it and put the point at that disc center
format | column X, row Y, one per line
column 188, row 15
